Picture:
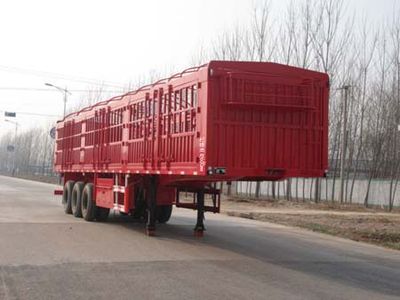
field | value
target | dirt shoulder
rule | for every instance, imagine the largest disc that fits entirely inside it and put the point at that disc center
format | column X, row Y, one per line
column 372, row 225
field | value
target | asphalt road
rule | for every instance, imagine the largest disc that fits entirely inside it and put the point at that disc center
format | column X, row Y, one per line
column 45, row 254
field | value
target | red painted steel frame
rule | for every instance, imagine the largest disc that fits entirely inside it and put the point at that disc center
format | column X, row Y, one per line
column 221, row 121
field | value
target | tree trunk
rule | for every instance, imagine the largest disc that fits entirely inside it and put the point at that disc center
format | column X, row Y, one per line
column 258, row 184
column 288, row 191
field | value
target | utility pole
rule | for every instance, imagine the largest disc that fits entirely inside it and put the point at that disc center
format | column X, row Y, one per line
column 65, row 101
column 65, row 93
column 344, row 142
column 15, row 143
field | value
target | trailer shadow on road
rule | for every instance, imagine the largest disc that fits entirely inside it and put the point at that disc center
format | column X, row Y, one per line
column 300, row 252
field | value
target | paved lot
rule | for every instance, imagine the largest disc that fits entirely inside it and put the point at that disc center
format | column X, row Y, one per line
column 45, row 254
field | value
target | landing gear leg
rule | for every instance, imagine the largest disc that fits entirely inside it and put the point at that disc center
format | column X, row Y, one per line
column 199, row 228
column 151, row 207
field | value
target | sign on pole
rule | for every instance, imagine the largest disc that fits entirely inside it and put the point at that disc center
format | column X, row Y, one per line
column 10, row 114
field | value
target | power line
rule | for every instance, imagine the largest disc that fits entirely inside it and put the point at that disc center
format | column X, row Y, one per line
column 59, row 76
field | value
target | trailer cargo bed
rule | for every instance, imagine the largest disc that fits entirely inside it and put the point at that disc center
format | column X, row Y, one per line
column 262, row 121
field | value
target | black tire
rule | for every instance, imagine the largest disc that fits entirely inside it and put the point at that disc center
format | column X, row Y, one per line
column 76, row 199
column 164, row 213
column 102, row 214
column 67, row 194
column 88, row 207
column 140, row 212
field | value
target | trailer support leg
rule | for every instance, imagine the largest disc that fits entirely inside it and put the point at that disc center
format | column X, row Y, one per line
column 151, row 206
column 199, row 228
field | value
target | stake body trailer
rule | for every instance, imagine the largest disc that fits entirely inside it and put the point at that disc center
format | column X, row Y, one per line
column 222, row 121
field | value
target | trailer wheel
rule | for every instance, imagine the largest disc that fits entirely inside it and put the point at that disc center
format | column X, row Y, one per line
column 164, row 213
column 67, row 194
column 102, row 214
column 76, row 199
column 88, row 206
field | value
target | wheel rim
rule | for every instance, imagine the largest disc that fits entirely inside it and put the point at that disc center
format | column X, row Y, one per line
column 73, row 200
column 84, row 203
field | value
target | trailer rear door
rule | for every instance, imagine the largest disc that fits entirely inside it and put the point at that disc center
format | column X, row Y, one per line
column 271, row 121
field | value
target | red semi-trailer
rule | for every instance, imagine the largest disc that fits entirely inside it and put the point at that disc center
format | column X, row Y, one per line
column 222, row 121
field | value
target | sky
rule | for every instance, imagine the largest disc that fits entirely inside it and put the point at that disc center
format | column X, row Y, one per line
column 86, row 44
